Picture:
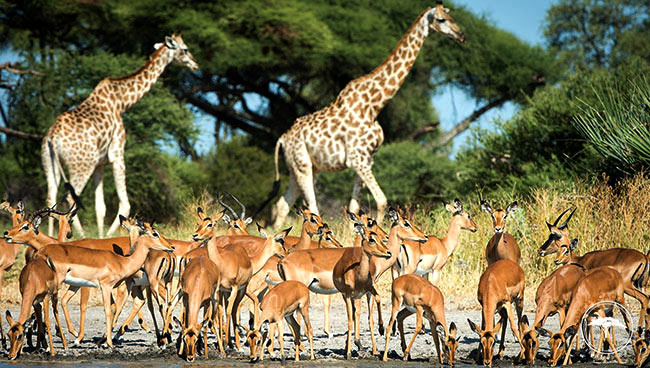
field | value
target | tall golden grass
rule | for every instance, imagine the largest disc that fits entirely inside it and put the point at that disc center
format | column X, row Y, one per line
column 606, row 217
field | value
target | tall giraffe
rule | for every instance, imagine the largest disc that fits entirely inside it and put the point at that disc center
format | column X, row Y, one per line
column 345, row 133
column 87, row 137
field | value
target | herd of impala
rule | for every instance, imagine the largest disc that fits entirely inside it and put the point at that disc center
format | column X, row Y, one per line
column 276, row 273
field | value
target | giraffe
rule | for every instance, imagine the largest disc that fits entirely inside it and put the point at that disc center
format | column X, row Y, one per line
column 345, row 133
column 87, row 137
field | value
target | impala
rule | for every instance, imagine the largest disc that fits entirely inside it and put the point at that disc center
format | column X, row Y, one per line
column 314, row 267
column 500, row 286
column 641, row 350
column 421, row 297
column 8, row 251
column 78, row 266
column 553, row 296
column 38, row 284
column 281, row 302
column 630, row 263
column 353, row 274
column 599, row 284
column 431, row 256
column 199, row 284
column 501, row 245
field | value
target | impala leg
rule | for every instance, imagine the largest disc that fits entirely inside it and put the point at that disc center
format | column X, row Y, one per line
column 436, row 339
column 295, row 331
column 46, row 319
column 106, row 295
column 83, row 306
column 229, row 310
column 372, row 325
column 504, row 317
column 280, row 341
column 380, row 319
column 400, row 326
column 2, row 333
column 135, row 310
column 643, row 299
column 391, row 324
column 357, row 317
column 64, row 305
column 348, row 345
column 304, row 311
column 327, row 302
column 121, row 295
column 418, row 328
column 55, row 311
column 159, row 338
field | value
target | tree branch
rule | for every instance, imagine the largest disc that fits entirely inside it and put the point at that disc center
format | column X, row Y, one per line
column 418, row 133
column 449, row 135
column 11, row 68
column 21, row 135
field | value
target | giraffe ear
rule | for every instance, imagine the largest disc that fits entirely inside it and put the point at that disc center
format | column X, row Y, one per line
column 170, row 43
column 157, row 46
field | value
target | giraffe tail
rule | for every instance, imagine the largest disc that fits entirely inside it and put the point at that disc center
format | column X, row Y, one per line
column 276, row 183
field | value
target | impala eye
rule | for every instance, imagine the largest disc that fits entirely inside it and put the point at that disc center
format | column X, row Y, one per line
column 25, row 228
column 156, row 234
column 236, row 226
column 209, row 224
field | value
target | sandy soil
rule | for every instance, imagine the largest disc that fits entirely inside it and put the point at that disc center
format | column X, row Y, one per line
column 139, row 346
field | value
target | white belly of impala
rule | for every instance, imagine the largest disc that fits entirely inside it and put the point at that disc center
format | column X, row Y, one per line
column 410, row 309
column 78, row 282
column 318, row 290
column 141, row 281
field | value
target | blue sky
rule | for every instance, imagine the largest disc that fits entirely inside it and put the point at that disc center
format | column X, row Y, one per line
column 524, row 18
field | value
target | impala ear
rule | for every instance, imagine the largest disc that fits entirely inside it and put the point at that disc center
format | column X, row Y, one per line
column 262, row 230
column 473, row 326
column 574, row 244
column 353, row 217
column 543, row 332
column 248, row 220
column 523, row 324
column 359, row 229
column 9, row 319
column 392, row 213
column 569, row 333
column 441, row 330
column 36, row 224
column 486, row 207
column 320, row 232
column 122, row 222
column 20, row 206
column 449, row 207
column 226, row 219
column 511, row 207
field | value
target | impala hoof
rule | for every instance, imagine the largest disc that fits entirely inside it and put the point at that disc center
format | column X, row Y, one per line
column 381, row 330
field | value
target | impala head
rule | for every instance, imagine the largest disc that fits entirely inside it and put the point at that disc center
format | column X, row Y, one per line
column 275, row 241
column 641, row 347
column 499, row 216
column 238, row 223
column 371, row 242
column 557, row 343
column 440, row 21
column 311, row 221
column 404, row 228
column 326, row 238
column 449, row 341
column 182, row 55
column 530, row 340
column 17, row 211
column 487, row 339
column 189, row 338
column 65, row 222
column 459, row 214
column 256, row 338
column 16, row 335
column 27, row 229
column 142, row 230
column 206, row 225
column 559, row 234
column 372, row 224
column 565, row 251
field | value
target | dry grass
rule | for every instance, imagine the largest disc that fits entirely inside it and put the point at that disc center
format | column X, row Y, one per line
column 606, row 217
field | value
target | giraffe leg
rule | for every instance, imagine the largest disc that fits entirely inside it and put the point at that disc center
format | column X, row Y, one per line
column 281, row 209
column 100, row 206
column 365, row 173
column 356, row 194
column 119, row 176
column 78, row 182
column 53, row 177
column 305, row 179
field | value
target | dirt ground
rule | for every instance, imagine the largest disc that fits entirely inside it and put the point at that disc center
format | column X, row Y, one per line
column 138, row 346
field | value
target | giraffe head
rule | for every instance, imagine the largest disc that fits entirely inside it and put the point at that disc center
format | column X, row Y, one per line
column 440, row 21
column 182, row 55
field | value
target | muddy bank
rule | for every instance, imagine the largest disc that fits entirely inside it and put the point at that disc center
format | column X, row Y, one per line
column 138, row 348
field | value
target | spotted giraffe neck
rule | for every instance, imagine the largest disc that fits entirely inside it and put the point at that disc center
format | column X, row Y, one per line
column 130, row 89
column 383, row 82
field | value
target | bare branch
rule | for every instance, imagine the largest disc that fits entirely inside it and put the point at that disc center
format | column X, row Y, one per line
column 11, row 68
column 418, row 133
column 21, row 135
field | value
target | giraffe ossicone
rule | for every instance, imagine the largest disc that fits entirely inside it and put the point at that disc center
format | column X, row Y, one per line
column 345, row 133
column 84, row 139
